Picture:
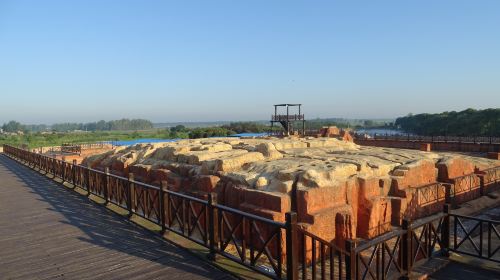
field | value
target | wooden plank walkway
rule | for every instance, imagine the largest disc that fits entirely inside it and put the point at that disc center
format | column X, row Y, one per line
column 49, row 232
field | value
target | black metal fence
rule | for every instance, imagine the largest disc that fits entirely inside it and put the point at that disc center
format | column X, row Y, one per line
column 282, row 250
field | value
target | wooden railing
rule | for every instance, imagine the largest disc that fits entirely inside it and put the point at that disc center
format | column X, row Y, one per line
column 422, row 138
column 263, row 245
column 76, row 148
column 482, row 236
column 275, row 249
column 294, row 117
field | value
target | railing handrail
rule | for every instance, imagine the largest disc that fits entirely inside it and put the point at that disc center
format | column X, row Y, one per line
column 427, row 138
column 331, row 244
column 483, row 220
column 365, row 244
column 422, row 221
column 248, row 215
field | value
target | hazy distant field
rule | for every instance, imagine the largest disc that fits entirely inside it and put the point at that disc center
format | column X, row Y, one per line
column 34, row 140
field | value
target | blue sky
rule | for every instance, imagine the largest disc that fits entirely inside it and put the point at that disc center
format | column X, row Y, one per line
column 231, row 60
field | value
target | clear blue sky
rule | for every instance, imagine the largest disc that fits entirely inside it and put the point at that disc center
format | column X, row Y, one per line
column 231, row 60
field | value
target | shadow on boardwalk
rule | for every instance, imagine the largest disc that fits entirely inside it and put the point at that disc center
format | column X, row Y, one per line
column 102, row 228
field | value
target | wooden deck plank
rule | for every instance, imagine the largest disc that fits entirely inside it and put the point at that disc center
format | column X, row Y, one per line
column 50, row 232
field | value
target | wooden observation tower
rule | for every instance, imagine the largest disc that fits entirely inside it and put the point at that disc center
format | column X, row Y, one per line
column 288, row 120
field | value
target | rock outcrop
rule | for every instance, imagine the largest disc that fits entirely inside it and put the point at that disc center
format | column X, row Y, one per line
column 338, row 189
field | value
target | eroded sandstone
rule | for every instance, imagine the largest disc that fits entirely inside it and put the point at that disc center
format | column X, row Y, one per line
column 338, row 189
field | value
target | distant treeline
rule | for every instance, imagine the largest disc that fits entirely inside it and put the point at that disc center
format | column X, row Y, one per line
column 469, row 122
column 123, row 124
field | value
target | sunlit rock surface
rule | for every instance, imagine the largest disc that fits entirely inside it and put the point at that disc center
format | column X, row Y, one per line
column 338, row 189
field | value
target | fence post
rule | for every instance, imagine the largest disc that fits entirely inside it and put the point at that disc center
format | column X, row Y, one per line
column 291, row 246
column 481, row 184
column 74, row 173
column 445, row 231
column 212, row 229
column 448, row 195
column 163, row 189
column 63, row 173
column 406, row 240
column 130, row 194
column 106, row 186
column 87, row 180
column 54, row 166
column 350, row 259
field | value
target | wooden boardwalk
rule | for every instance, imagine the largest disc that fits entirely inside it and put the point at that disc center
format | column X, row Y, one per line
column 49, row 232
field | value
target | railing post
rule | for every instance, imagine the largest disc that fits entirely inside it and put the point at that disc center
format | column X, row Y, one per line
column 406, row 240
column 445, row 231
column 54, row 166
column 212, row 229
column 351, row 259
column 448, row 193
column 74, row 173
column 481, row 184
column 106, row 186
column 130, row 194
column 87, row 180
column 63, row 173
column 291, row 246
column 163, row 190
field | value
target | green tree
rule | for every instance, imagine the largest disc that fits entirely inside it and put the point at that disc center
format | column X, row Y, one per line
column 13, row 126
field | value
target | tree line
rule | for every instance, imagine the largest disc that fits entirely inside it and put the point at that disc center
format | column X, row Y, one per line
column 123, row 124
column 468, row 122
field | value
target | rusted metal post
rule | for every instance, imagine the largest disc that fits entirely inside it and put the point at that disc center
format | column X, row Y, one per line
column 351, row 259
column 212, row 228
column 292, row 256
column 130, row 194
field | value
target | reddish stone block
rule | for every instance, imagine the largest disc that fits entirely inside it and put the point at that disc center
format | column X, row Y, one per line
column 454, row 167
column 333, row 224
column 419, row 174
column 273, row 201
column 493, row 155
column 331, row 131
column 425, row 147
column 141, row 172
column 118, row 166
column 205, row 183
column 158, row 175
column 233, row 195
column 346, row 136
column 313, row 200
column 374, row 217
column 175, row 182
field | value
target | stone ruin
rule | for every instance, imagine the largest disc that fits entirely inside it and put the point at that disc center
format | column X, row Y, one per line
column 339, row 190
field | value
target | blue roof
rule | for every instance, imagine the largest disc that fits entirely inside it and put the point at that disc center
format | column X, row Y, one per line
column 141, row 141
column 249, row 134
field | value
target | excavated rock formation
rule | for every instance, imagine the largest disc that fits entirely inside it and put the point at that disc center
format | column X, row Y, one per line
column 338, row 189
